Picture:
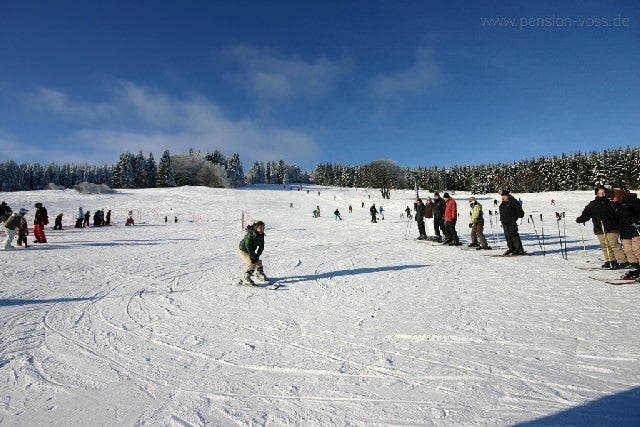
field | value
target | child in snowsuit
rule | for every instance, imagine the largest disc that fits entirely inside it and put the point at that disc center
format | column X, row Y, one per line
column 23, row 231
column 250, row 249
column 58, row 223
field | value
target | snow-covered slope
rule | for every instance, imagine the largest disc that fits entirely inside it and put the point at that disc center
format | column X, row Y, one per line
column 144, row 325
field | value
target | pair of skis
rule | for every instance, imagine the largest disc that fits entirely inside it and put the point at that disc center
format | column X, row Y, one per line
column 271, row 285
column 621, row 280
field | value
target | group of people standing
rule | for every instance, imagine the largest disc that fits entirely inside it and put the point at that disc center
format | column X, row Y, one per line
column 444, row 211
column 16, row 223
column 615, row 214
column 99, row 218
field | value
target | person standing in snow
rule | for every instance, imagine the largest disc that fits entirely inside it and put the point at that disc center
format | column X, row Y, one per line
column 79, row 217
column 5, row 211
column 373, row 211
column 419, row 218
column 510, row 212
column 58, row 223
column 438, row 216
column 628, row 210
column 476, row 222
column 250, row 249
column 23, row 231
column 12, row 225
column 337, row 214
column 606, row 227
column 41, row 219
column 87, row 217
column 450, row 219
column 381, row 212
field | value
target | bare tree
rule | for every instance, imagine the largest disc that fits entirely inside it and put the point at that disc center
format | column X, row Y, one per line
column 385, row 175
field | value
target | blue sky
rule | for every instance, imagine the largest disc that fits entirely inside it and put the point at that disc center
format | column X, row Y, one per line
column 419, row 82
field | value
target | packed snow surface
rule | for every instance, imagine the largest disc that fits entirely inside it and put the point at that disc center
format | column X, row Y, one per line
column 145, row 325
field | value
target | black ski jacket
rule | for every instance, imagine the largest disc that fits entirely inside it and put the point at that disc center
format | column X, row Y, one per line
column 438, row 208
column 509, row 211
column 628, row 213
column 419, row 212
column 602, row 213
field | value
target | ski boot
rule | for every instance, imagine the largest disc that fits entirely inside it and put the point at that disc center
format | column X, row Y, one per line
column 260, row 275
column 246, row 279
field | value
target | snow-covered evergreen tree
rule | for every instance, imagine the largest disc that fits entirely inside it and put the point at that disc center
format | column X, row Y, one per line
column 151, row 170
column 166, row 175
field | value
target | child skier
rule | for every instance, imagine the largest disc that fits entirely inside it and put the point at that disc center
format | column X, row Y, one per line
column 23, row 231
column 251, row 247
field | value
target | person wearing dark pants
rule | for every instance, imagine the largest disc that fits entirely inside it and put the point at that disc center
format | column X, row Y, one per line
column 510, row 212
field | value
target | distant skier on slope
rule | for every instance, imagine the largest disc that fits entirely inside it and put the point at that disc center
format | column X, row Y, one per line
column 250, row 249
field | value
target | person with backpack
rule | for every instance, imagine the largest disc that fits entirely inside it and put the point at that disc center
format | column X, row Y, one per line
column 250, row 249
column 12, row 225
column 510, row 212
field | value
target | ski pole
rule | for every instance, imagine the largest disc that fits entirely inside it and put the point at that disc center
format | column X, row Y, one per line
column 584, row 245
column 564, row 235
column 407, row 229
column 558, row 217
column 606, row 245
column 536, row 231
column 542, row 230
column 493, row 232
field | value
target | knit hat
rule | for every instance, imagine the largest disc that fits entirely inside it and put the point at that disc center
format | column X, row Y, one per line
column 446, row 196
column 472, row 199
column 23, row 211
column 505, row 193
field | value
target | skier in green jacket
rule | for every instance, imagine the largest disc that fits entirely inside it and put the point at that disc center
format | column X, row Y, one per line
column 251, row 247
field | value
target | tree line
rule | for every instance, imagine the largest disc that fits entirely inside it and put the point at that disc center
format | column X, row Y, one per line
column 578, row 171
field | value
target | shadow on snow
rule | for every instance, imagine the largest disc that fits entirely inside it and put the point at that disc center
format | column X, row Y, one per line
column 617, row 409
column 14, row 302
column 351, row 272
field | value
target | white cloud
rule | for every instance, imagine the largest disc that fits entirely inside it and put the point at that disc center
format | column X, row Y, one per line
column 59, row 103
column 414, row 80
column 269, row 75
column 141, row 118
column 151, row 105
